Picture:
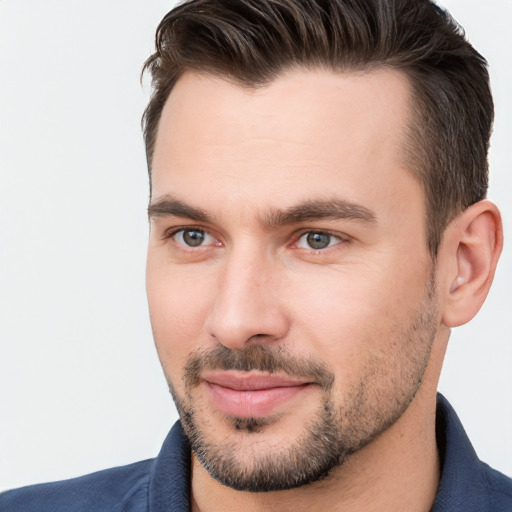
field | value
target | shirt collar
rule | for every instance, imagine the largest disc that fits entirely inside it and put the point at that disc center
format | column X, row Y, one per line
column 462, row 485
column 169, row 487
column 462, row 480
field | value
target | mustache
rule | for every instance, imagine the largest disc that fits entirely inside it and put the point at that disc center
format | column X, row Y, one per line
column 263, row 358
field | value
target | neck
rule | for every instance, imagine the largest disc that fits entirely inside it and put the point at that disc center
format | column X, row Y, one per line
column 398, row 471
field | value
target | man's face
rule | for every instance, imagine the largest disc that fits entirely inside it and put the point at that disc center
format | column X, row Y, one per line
column 290, row 288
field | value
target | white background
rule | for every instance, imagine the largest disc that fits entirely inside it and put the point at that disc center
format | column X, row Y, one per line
column 80, row 385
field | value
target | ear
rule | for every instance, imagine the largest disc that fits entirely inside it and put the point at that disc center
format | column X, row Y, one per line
column 469, row 254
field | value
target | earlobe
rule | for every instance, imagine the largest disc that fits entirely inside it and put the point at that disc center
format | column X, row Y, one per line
column 472, row 248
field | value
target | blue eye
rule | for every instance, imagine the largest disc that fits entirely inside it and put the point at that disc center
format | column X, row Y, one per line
column 193, row 237
column 317, row 240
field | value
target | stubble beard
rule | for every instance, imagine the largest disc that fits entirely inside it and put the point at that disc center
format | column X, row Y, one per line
column 308, row 459
column 330, row 437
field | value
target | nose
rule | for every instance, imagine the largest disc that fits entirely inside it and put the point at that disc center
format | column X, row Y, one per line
column 247, row 308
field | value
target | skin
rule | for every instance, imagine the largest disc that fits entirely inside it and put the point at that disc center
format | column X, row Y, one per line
column 243, row 157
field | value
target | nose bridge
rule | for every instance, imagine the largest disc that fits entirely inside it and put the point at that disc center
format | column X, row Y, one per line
column 246, row 306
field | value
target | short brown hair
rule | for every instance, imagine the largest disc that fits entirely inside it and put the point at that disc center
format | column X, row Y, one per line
column 253, row 41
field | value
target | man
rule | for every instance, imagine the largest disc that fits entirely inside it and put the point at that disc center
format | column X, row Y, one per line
column 318, row 224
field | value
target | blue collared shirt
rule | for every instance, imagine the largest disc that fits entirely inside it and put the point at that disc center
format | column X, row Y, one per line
column 163, row 484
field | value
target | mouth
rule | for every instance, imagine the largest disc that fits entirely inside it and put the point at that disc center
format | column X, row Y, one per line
column 251, row 395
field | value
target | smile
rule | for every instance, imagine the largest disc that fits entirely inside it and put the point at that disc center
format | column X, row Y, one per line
column 251, row 395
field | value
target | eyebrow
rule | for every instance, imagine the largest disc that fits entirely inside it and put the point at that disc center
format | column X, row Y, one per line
column 315, row 209
column 319, row 209
column 170, row 206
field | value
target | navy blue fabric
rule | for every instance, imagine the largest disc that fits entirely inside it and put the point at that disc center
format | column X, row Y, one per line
column 163, row 484
column 155, row 485
column 467, row 484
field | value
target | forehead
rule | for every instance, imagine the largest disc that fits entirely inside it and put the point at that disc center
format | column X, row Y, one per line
column 302, row 134
column 367, row 99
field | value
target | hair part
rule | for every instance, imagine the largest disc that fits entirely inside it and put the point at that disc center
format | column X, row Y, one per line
column 252, row 42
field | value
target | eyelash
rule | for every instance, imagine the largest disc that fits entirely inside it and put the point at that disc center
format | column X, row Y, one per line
column 342, row 239
column 182, row 229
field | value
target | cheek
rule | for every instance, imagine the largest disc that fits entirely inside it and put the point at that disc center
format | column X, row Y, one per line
column 354, row 320
column 178, row 303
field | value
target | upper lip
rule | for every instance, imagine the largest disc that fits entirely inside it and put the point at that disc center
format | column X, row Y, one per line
column 242, row 381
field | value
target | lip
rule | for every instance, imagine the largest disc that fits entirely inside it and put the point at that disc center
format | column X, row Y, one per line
column 250, row 395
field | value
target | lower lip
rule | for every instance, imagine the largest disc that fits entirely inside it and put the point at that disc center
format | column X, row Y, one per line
column 252, row 403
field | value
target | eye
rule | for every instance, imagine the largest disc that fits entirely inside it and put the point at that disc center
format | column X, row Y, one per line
column 317, row 240
column 193, row 237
